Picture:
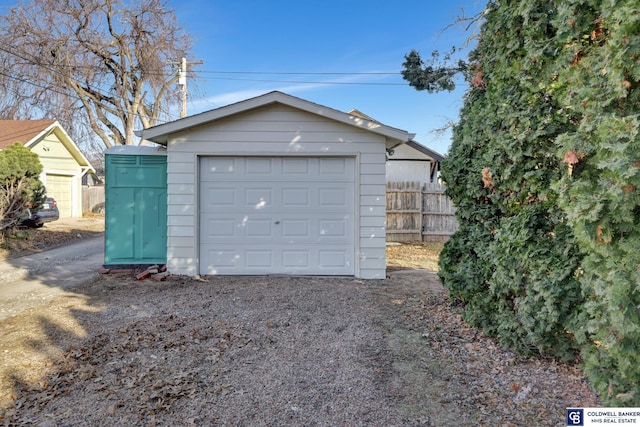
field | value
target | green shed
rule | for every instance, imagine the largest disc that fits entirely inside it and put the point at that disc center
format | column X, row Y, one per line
column 136, row 205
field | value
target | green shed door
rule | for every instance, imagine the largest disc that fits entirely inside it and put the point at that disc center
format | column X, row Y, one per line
column 136, row 209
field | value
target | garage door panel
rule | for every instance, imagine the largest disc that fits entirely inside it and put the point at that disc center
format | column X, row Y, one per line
column 296, row 197
column 335, row 167
column 257, row 197
column 301, row 197
column 259, row 166
column 216, row 197
column 289, row 228
column 296, row 166
column 276, row 168
column 277, row 215
column 217, row 229
column 229, row 228
column 333, row 197
column 295, row 259
column 334, row 228
column 59, row 187
column 296, row 228
column 258, row 229
column 222, row 258
column 261, row 259
column 332, row 259
column 215, row 166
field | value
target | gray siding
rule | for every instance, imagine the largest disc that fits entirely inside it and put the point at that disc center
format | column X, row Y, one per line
column 276, row 130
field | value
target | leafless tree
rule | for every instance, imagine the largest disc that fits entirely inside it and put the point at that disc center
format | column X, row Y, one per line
column 93, row 64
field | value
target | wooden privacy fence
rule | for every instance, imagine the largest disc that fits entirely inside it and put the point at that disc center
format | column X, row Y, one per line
column 91, row 196
column 419, row 213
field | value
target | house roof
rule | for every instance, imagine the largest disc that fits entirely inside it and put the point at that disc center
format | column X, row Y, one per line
column 413, row 144
column 30, row 132
column 427, row 151
column 21, row 131
column 160, row 134
column 362, row 115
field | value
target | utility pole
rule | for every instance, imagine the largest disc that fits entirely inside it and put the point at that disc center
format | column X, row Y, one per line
column 184, row 65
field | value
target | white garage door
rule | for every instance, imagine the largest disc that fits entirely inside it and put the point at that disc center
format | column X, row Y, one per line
column 277, row 215
column 59, row 187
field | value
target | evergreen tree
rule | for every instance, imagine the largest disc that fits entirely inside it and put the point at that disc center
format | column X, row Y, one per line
column 514, row 244
column 597, row 86
column 544, row 170
column 20, row 186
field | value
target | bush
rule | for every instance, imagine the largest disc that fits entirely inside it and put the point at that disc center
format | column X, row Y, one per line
column 598, row 82
column 515, row 249
column 545, row 170
column 20, row 186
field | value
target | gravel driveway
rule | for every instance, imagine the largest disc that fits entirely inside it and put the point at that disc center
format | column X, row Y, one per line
column 267, row 351
column 31, row 280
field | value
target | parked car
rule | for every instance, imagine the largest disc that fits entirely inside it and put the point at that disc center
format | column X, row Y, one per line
column 48, row 212
column 98, row 209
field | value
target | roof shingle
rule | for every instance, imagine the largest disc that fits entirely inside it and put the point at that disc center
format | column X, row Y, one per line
column 21, row 131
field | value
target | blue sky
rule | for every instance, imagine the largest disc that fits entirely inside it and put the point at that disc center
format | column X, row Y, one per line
column 328, row 36
column 333, row 37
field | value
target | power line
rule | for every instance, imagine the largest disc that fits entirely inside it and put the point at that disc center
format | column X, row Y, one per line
column 309, row 82
column 52, row 69
column 35, row 61
column 30, row 59
column 48, row 87
column 305, row 73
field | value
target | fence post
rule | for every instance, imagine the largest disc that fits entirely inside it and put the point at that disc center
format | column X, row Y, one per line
column 421, row 216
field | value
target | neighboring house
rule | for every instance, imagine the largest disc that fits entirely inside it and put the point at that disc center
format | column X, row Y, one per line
column 63, row 163
column 410, row 162
column 413, row 162
column 417, row 208
column 91, row 178
column 276, row 185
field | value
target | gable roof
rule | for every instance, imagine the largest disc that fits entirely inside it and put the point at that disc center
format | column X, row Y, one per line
column 30, row 132
column 413, row 144
column 160, row 133
column 362, row 115
column 427, row 151
column 21, row 131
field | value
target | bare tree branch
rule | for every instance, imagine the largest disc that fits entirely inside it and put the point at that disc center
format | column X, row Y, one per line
column 109, row 57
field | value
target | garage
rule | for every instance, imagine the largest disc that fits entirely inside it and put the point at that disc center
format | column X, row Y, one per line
column 277, row 215
column 63, row 164
column 60, row 187
column 276, row 185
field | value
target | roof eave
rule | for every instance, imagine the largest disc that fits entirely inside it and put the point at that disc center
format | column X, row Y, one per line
column 160, row 134
column 429, row 152
column 66, row 140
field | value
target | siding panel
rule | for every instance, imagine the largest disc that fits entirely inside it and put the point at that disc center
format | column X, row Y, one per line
column 372, row 201
column 181, row 220
column 277, row 130
column 181, row 178
column 372, row 169
column 180, row 189
column 180, row 231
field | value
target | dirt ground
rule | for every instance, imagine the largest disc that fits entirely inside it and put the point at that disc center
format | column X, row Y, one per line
column 272, row 351
column 22, row 241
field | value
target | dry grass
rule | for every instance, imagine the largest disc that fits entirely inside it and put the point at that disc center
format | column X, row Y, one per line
column 22, row 241
column 271, row 351
column 418, row 256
